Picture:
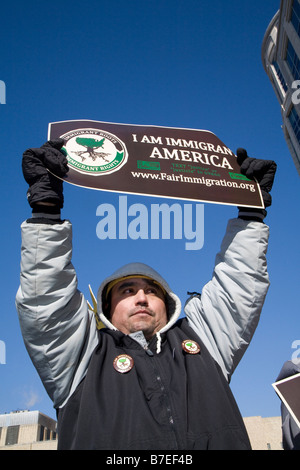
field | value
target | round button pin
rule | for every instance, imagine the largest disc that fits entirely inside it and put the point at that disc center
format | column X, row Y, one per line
column 123, row 363
column 191, row 347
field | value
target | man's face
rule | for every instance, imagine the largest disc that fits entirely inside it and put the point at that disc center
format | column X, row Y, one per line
column 138, row 304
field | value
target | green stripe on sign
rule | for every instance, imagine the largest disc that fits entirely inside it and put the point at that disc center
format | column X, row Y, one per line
column 238, row 176
column 148, row 165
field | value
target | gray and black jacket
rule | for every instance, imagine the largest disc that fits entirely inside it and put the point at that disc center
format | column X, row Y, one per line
column 169, row 399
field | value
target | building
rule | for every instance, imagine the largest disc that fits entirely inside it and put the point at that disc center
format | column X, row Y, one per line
column 281, row 60
column 32, row 430
column 27, row 430
column 264, row 433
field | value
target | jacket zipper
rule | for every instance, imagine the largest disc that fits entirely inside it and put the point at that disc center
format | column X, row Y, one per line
column 165, row 395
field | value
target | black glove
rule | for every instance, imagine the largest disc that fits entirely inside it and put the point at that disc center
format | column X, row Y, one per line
column 262, row 170
column 43, row 186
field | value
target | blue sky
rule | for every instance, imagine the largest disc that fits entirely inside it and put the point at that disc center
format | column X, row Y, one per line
column 191, row 64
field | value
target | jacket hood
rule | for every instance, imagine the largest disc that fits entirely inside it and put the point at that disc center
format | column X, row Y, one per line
column 172, row 300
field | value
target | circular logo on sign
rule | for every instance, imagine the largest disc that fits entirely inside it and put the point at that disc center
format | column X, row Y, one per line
column 190, row 346
column 123, row 363
column 94, row 152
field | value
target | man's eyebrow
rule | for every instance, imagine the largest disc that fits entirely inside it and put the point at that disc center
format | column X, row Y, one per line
column 130, row 283
column 126, row 284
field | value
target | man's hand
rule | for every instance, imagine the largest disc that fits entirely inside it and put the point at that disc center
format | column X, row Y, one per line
column 262, row 170
column 43, row 186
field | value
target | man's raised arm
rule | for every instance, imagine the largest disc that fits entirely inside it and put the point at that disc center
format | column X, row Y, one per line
column 226, row 314
column 58, row 331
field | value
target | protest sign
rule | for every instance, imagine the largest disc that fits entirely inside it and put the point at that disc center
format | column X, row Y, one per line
column 155, row 161
column 288, row 390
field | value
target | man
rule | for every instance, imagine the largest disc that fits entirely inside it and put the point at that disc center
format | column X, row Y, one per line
column 148, row 380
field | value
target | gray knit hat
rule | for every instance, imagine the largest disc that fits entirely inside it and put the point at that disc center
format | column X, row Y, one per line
column 139, row 269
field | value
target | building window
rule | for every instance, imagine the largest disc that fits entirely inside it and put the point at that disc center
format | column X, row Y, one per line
column 295, row 123
column 293, row 61
column 280, row 76
column 295, row 19
column 42, row 430
column 45, row 433
column 12, row 435
column 290, row 142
